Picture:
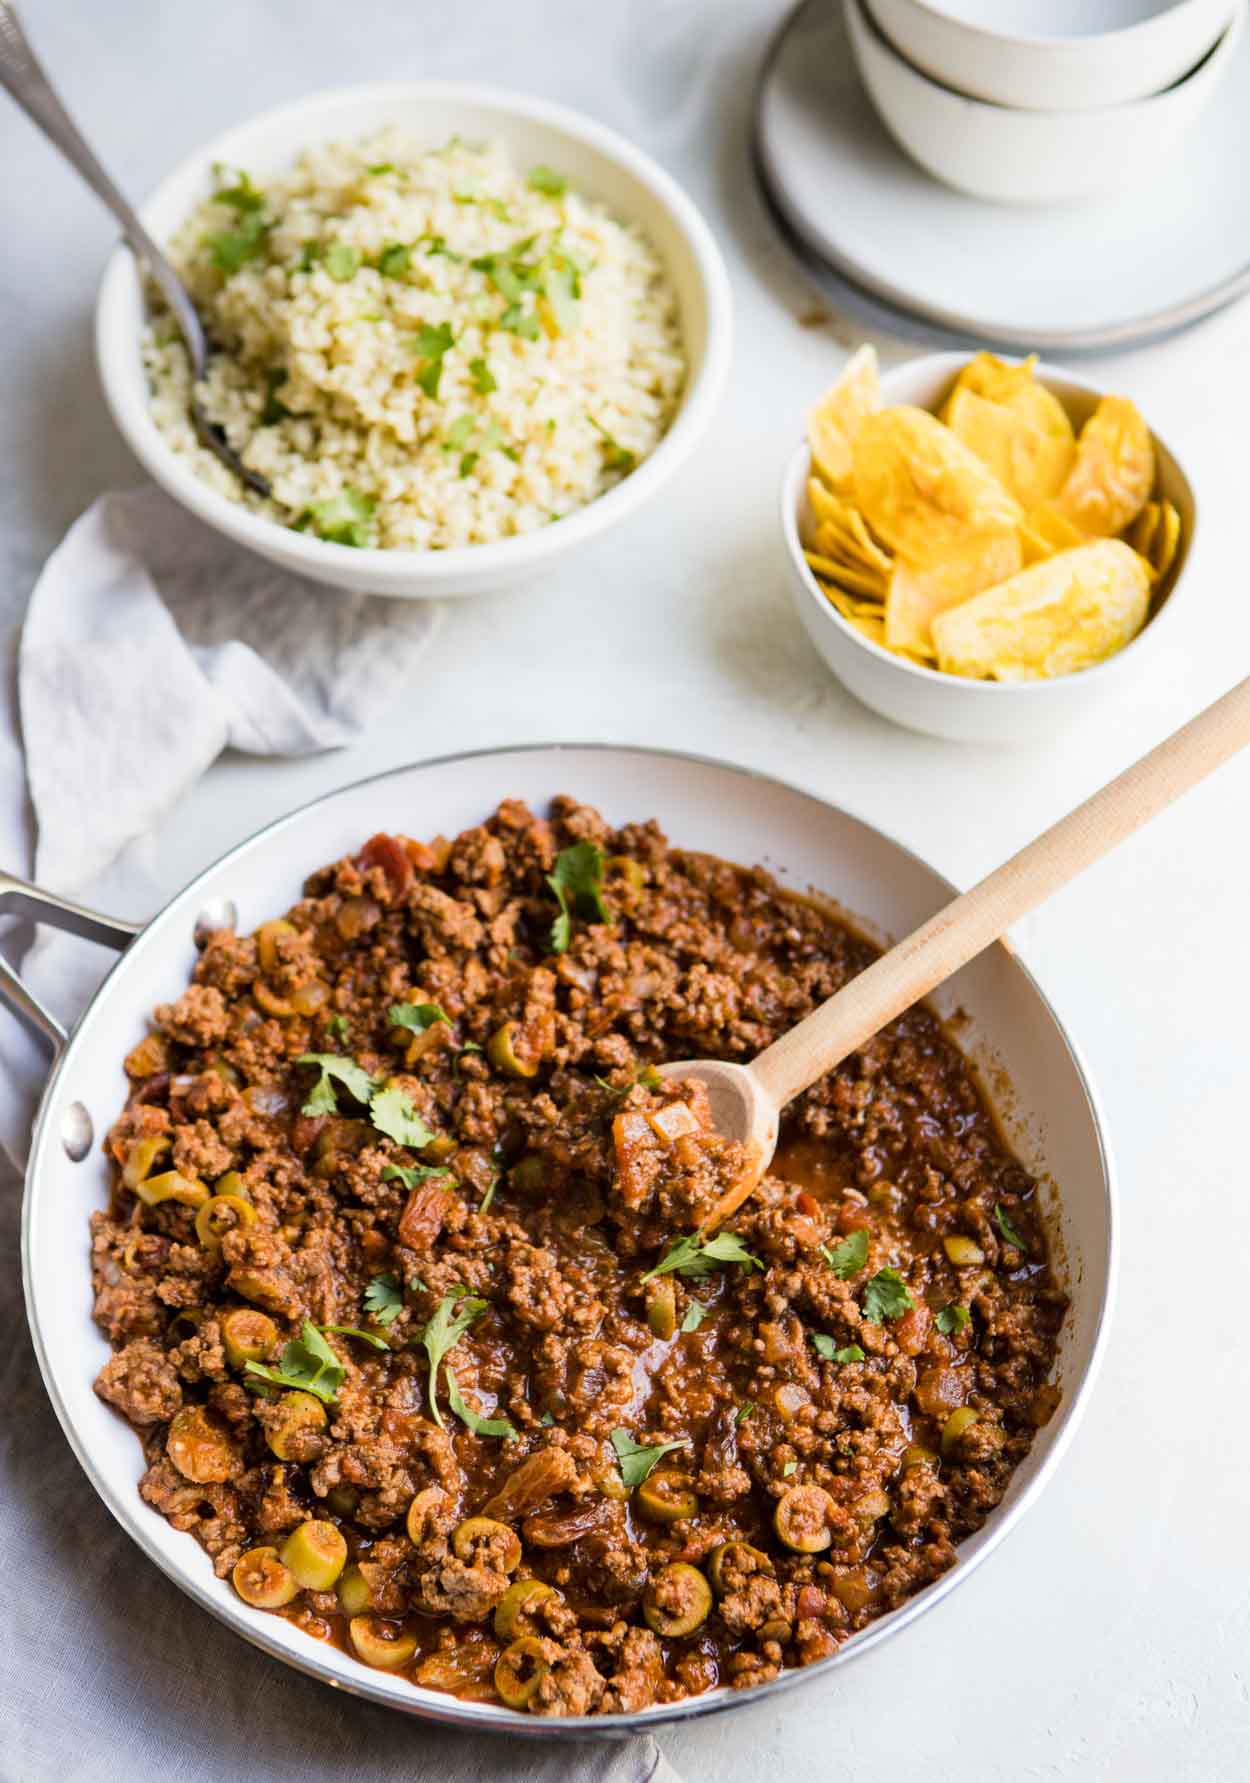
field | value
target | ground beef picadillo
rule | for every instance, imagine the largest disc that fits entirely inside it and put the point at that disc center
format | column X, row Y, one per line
column 388, row 1324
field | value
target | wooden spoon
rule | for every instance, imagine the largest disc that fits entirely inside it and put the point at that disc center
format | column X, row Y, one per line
column 747, row 1100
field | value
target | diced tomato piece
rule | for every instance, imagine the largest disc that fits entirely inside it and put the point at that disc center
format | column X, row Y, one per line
column 386, row 852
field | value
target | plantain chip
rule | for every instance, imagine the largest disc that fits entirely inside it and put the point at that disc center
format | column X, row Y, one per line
column 872, row 628
column 1013, row 387
column 1030, row 464
column 1114, row 470
column 1045, row 530
column 922, row 490
column 836, row 419
column 1167, row 538
column 1141, row 534
column 1067, row 613
column 868, row 584
column 915, row 596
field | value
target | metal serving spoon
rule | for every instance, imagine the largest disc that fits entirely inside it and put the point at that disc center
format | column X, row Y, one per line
column 747, row 1100
column 21, row 73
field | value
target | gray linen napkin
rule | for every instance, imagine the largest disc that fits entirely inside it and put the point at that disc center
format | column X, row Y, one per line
column 149, row 646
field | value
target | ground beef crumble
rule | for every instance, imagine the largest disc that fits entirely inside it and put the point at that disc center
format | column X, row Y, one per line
column 490, row 1148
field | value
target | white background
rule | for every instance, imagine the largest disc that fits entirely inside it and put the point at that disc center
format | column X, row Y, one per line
column 1111, row 1637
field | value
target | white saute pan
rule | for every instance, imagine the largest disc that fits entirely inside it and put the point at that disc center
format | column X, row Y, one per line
column 1013, row 1035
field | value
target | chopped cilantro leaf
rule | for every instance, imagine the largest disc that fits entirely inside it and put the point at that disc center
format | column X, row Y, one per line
column 521, row 322
column 547, row 1420
column 848, row 1258
column 1011, row 1233
column 384, row 1298
column 696, row 1312
column 562, row 288
column 744, row 1412
column 393, row 1114
column 437, row 244
column 337, row 1025
column 411, row 1174
column 788, row 1469
column 615, row 456
column 824, row 1346
column 459, row 433
column 381, row 167
column 489, row 1196
column 952, row 1318
column 578, row 884
column 467, row 463
column 886, row 1297
column 394, row 260
column 341, row 261
column 345, row 518
column 332, row 1068
column 548, row 181
column 233, row 248
column 431, row 346
column 636, row 1460
column 483, row 379
column 416, row 1016
column 307, row 1364
column 443, row 1333
column 243, row 196
column 691, row 1256
column 479, row 1425
column 379, row 1343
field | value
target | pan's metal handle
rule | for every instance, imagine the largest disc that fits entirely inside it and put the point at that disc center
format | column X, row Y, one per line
column 22, row 899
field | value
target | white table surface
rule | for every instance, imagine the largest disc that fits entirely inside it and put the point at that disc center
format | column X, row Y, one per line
column 1111, row 1637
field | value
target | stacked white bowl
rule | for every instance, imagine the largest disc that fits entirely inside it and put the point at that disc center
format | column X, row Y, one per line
column 1042, row 101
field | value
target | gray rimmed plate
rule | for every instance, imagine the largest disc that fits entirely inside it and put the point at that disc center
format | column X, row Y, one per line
column 1093, row 277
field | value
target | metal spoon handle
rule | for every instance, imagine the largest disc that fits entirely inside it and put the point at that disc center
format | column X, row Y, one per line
column 25, row 79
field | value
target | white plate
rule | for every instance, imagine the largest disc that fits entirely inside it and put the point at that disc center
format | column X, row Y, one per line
column 1078, row 277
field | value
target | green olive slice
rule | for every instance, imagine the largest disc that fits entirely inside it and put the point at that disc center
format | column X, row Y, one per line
column 316, row 1553
column 677, row 1600
column 171, row 1185
column 518, row 1603
column 199, row 1447
column 262, row 1579
column 738, row 1557
column 247, row 1336
column 952, row 1431
column 353, row 1590
column 419, row 1521
column 501, row 1051
column 296, row 1417
column 802, row 1519
column 667, row 1498
column 384, row 1645
column 222, row 1214
column 662, row 1307
column 519, row 1671
column 485, row 1532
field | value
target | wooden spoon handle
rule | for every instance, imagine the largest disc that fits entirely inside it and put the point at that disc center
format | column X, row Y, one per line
column 981, row 915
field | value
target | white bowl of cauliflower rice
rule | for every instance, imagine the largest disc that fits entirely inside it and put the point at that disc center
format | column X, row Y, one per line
column 457, row 332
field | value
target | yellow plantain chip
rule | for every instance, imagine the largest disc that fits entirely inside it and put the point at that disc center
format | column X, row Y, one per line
column 1167, row 537
column 1114, row 471
column 833, row 515
column 834, row 541
column 1072, row 611
column 915, row 597
column 872, row 628
column 1141, row 533
column 1014, row 387
column 868, row 583
column 922, row 490
column 1045, row 530
column 1030, row 464
column 836, row 419
column 849, row 606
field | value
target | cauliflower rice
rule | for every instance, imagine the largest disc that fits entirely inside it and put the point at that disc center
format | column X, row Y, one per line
column 420, row 348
